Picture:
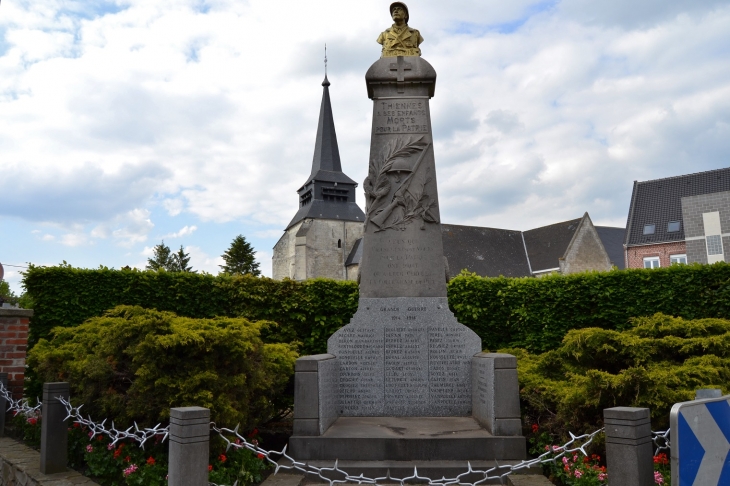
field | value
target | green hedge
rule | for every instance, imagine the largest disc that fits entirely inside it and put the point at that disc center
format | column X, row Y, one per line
column 536, row 313
column 530, row 313
column 307, row 312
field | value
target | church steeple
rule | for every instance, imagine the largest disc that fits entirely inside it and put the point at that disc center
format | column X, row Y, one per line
column 328, row 192
column 326, row 151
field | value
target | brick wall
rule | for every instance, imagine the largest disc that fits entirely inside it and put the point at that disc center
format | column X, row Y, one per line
column 636, row 254
column 13, row 343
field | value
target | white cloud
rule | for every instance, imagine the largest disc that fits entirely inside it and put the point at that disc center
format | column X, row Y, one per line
column 112, row 113
column 201, row 261
column 184, row 231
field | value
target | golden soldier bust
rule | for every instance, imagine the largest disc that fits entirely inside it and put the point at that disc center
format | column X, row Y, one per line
column 399, row 39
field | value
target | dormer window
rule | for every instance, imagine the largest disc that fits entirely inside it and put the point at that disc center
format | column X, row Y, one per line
column 649, row 229
column 672, row 226
column 305, row 198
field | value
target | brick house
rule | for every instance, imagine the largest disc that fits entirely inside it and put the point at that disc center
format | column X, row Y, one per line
column 683, row 219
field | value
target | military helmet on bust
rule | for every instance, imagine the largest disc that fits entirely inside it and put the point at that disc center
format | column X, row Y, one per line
column 399, row 4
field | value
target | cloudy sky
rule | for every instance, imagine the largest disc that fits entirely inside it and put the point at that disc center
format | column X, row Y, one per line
column 123, row 123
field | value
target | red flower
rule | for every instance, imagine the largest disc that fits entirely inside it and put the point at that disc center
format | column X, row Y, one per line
column 535, row 428
column 222, row 458
column 76, row 426
column 260, row 456
column 253, row 433
column 118, row 452
column 99, row 438
column 661, row 459
column 151, row 461
column 127, row 459
column 210, row 468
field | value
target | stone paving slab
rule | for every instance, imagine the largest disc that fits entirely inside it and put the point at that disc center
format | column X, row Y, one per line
column 20, row 466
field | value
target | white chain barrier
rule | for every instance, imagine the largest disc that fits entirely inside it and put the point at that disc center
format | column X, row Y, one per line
column 661, row 440
column 575, row 444
column 21, row 406
column 138, row 435
column 234, row 439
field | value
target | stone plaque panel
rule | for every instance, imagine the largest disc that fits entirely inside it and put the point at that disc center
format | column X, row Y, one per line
column 405, row 357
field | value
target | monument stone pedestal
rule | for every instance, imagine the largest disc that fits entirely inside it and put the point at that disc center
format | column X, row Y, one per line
column 404, row 384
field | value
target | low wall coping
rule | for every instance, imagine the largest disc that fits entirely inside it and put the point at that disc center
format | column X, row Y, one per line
column 11, row 312
column 22, row 464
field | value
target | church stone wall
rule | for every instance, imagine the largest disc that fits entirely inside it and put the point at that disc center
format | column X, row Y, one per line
column 315, row 248
column 586, row 251
column 284, row 254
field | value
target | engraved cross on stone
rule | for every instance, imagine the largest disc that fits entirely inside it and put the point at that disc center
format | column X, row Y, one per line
column 400, row 67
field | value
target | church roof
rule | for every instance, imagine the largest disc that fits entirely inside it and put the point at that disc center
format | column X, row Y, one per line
column 546, row 245
column 613, row 241
column 318, row 209
column 659, row 201
column 489, row 252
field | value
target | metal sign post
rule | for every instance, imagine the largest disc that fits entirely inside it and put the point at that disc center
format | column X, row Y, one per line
column 701, row 442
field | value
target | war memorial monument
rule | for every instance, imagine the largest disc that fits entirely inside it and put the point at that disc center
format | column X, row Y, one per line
column 404, row 384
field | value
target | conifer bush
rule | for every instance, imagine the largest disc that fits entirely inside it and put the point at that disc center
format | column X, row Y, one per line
column 659, row 361
column 133, row 364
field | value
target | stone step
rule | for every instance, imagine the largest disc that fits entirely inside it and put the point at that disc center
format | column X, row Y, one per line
column 403, row 469
column 407, row 439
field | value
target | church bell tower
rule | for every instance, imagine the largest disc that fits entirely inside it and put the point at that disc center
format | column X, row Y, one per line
column 319, row 238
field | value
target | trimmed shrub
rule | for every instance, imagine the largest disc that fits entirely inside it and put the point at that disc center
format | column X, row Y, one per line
column 658, row 362
column 134, row 364
column 536, row 313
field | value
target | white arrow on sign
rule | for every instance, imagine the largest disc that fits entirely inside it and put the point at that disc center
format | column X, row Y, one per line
column 713, row 441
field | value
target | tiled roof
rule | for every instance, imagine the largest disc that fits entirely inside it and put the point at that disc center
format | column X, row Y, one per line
column 490, row 252
column 659, row 201
column 613, row 241
column 547, row 244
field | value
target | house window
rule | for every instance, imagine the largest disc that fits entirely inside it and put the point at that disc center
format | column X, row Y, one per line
column 339, row 243
column 673, row 227
column 651, row 262
column 649, row 229
column 714, row 245
column 677, row 259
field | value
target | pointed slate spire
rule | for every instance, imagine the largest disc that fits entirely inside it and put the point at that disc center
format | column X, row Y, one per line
column 326, row 151
column 328, row 192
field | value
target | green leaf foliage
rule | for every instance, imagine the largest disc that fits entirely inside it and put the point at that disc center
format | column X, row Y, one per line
column 134, row 364
column 657, row 362
column 536, row 313
column 240, row 258
column 306, row 312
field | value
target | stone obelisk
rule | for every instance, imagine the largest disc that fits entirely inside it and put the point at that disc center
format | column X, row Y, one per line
column 404, row 385
column 403, row 353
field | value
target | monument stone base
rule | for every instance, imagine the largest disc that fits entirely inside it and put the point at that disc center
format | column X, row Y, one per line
column 405, row 385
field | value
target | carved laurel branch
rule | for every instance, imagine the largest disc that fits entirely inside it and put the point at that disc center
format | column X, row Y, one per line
column 377, row 185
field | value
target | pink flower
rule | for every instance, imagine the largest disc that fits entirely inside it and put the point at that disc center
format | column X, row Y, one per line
column 109, row 446
column 132, row 468
column 575, row 457
column 565, row 460
column 602, row 476
column 89, row 448
column 658, row 478
column 578, row 474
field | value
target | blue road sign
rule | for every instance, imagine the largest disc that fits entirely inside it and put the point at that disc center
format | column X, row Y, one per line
column 701, row 442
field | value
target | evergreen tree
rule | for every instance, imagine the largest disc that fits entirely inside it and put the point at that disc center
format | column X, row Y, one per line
column 181, row 260
column 162, row 258
column 240, row 258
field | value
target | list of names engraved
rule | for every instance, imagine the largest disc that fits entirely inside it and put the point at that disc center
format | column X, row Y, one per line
column 360, row 351
column 449, row 366
column 400, row 116
column 406, row 366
